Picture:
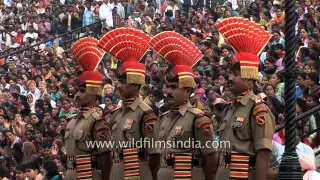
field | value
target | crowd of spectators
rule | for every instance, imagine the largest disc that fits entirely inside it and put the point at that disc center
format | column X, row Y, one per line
column 37, row 86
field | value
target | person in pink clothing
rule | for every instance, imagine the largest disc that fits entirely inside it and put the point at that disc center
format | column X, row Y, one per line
column 308, row 168
column 277, row 138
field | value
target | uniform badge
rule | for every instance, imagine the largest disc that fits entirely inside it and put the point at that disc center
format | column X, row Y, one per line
column 78, row 133
column 178, row 130
column 237, row 122
column 206, row 130
column 149, row 126
column 128, row 124
column 101, row 136
column 261, row 120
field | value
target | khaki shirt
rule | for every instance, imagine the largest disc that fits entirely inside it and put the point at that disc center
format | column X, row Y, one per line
column 85, row 128
column 135, row 123
column 248, row 125
column 184, row 125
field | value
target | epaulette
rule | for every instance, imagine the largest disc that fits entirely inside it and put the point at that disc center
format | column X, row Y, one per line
column 162, row 114
column 197, row 112
column 96, row 115
column 119, row 107
column 144, row 106
column 71, row 116
column 258, row 101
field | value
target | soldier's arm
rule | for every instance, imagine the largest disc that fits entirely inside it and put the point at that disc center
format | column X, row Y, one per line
column 263, row 125
column 206, row 135
column 149, row 130
column 211, row 165
column 262, row 163
column 102, row 133
column 154, row 164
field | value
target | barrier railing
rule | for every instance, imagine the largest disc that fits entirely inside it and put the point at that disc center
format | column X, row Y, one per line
column 65, row 39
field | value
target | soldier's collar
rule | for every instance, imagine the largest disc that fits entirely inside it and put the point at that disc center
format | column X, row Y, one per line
column 134, row 104
column 244, row 100
column 87, row 114
column 85, row 109
column 130, row 100
column 183, row 109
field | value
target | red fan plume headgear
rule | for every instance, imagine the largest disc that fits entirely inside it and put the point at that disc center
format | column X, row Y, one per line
column 180, row 52
column 129, row 46
column 89, row 56
column 248, row 40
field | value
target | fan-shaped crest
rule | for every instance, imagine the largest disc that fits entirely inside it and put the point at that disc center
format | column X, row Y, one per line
column 83, row 42
column 125, row 44
column 243, row 35
column 87, row 53
column 88, row 47
column 175, row 48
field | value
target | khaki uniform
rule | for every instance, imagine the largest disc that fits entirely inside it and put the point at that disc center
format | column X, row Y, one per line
column 249, row 126
column 86, row 127
column 183, row 126
column 135, row 123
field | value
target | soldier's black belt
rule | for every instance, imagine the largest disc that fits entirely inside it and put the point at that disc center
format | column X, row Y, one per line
column 182, row 164
column 170, row 160
column 131, row 159
column 119, row 156
column 225, row 159
column 238, row 163
column 84, row 160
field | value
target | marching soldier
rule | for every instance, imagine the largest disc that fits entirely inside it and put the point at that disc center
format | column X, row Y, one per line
column 247, row 123
column 134, row 122
column 183, row 124
column 88, row 126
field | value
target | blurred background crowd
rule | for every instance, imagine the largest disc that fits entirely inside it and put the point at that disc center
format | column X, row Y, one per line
column 38, row 81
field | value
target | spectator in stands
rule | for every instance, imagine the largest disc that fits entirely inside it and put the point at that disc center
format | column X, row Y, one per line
column 20, row 172
column 33, row 171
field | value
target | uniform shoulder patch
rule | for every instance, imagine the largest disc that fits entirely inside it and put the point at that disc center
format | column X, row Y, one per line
column 145, row 107
column 261, row 120
column 197, row 112
column 259, row 110
column 203, row 121
column 149, row 116
column 205, row 125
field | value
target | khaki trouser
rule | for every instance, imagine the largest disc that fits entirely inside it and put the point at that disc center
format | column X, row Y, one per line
column 224, row 174
column 168, row 174
column 117, row 171
column 72, row 175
